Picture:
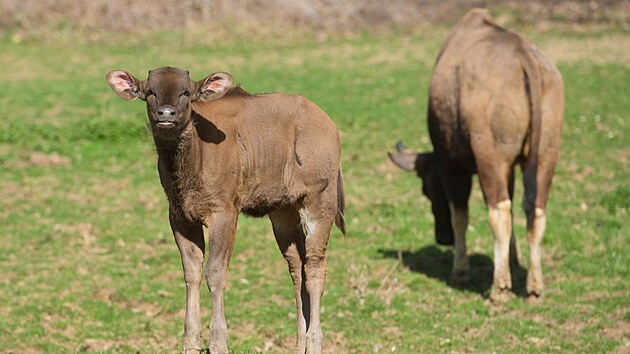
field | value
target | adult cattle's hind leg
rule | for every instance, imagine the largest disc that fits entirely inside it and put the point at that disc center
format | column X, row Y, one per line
column 290, row 238
column 189, row 239
column 537, row 182
column 536, row 222
column 501, row 224
column 494, row 179
column 515, row 256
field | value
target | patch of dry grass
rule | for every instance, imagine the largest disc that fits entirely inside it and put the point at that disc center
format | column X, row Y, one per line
column 610, row 48
column 95, row 20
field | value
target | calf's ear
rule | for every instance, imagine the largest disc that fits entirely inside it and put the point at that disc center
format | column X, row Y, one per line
column 213, row 87
column 125, row 85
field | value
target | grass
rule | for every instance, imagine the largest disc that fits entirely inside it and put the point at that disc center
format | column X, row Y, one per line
column 88, row 263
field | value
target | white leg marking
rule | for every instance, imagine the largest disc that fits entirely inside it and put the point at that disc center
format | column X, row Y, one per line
column 535, row 235
column 307, row 222
column 501, row 224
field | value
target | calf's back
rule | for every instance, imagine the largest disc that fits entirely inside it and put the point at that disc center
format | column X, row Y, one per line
column 278, row 148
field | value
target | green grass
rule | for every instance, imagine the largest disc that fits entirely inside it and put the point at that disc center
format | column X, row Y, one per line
column 88, row 264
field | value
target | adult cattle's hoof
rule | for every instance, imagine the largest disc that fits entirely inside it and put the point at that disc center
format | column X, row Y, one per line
column 534, row 298
column 499, row 296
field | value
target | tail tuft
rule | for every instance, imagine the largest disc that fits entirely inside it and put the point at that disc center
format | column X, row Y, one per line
column 341, row 204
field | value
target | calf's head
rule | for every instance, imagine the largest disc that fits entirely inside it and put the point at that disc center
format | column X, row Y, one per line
column 169, row 93
column 425, row 167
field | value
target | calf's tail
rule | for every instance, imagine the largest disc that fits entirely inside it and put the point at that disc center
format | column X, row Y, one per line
column 341, row 204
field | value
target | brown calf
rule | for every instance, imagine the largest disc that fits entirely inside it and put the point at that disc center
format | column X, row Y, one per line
column 495, row 101
column 222, row 151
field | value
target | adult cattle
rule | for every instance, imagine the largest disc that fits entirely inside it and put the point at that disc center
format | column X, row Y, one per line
column 495, row 101
column 222, row 151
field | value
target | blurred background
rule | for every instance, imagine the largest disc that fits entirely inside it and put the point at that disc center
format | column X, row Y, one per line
column 87, row 259
column 93, row 20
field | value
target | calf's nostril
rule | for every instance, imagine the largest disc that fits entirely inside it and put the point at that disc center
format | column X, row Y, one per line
column 166, row 111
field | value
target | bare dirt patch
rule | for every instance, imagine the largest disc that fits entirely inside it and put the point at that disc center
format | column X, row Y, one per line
column 34, row 190
column 83, row 229
column 107, row 345
column 38, row 159
column 22, row 351
column 620, row 330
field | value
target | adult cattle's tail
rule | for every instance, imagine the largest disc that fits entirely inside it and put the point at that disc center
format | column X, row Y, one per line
column 341, row 204
column 534, row 87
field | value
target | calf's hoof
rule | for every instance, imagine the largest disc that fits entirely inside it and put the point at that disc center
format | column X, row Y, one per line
column 192, row 345
column 314, row 343
column 218, row 349
column 218, row 340
column 300, row 344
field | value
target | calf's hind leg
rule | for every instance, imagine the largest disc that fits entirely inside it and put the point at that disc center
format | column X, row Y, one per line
column 291, row 241
column 317, row 216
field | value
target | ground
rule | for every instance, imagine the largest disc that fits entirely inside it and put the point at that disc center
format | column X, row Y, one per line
column 88, row 263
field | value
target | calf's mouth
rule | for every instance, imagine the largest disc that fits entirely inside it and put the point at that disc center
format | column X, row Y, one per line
column 165, row 124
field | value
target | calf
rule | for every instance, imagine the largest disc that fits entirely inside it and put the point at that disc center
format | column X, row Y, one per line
column 222, row 151
column 495, row 101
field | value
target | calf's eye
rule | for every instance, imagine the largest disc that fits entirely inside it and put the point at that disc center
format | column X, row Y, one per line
column 186, row 93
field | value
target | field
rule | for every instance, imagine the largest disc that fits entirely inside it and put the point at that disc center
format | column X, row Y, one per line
column 88, row 264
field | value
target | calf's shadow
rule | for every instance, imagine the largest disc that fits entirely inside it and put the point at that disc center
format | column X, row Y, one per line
column 437, row 263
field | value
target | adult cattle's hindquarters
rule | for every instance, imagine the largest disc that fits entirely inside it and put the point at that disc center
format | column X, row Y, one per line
column 495, row 101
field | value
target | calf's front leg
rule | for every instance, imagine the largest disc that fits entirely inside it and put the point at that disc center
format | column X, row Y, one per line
column 222, row 227
column 189, row 239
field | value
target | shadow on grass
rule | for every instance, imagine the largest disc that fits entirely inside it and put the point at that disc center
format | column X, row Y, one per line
column 437, row 263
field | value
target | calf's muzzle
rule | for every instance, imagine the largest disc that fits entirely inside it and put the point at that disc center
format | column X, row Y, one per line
column 166, row 116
